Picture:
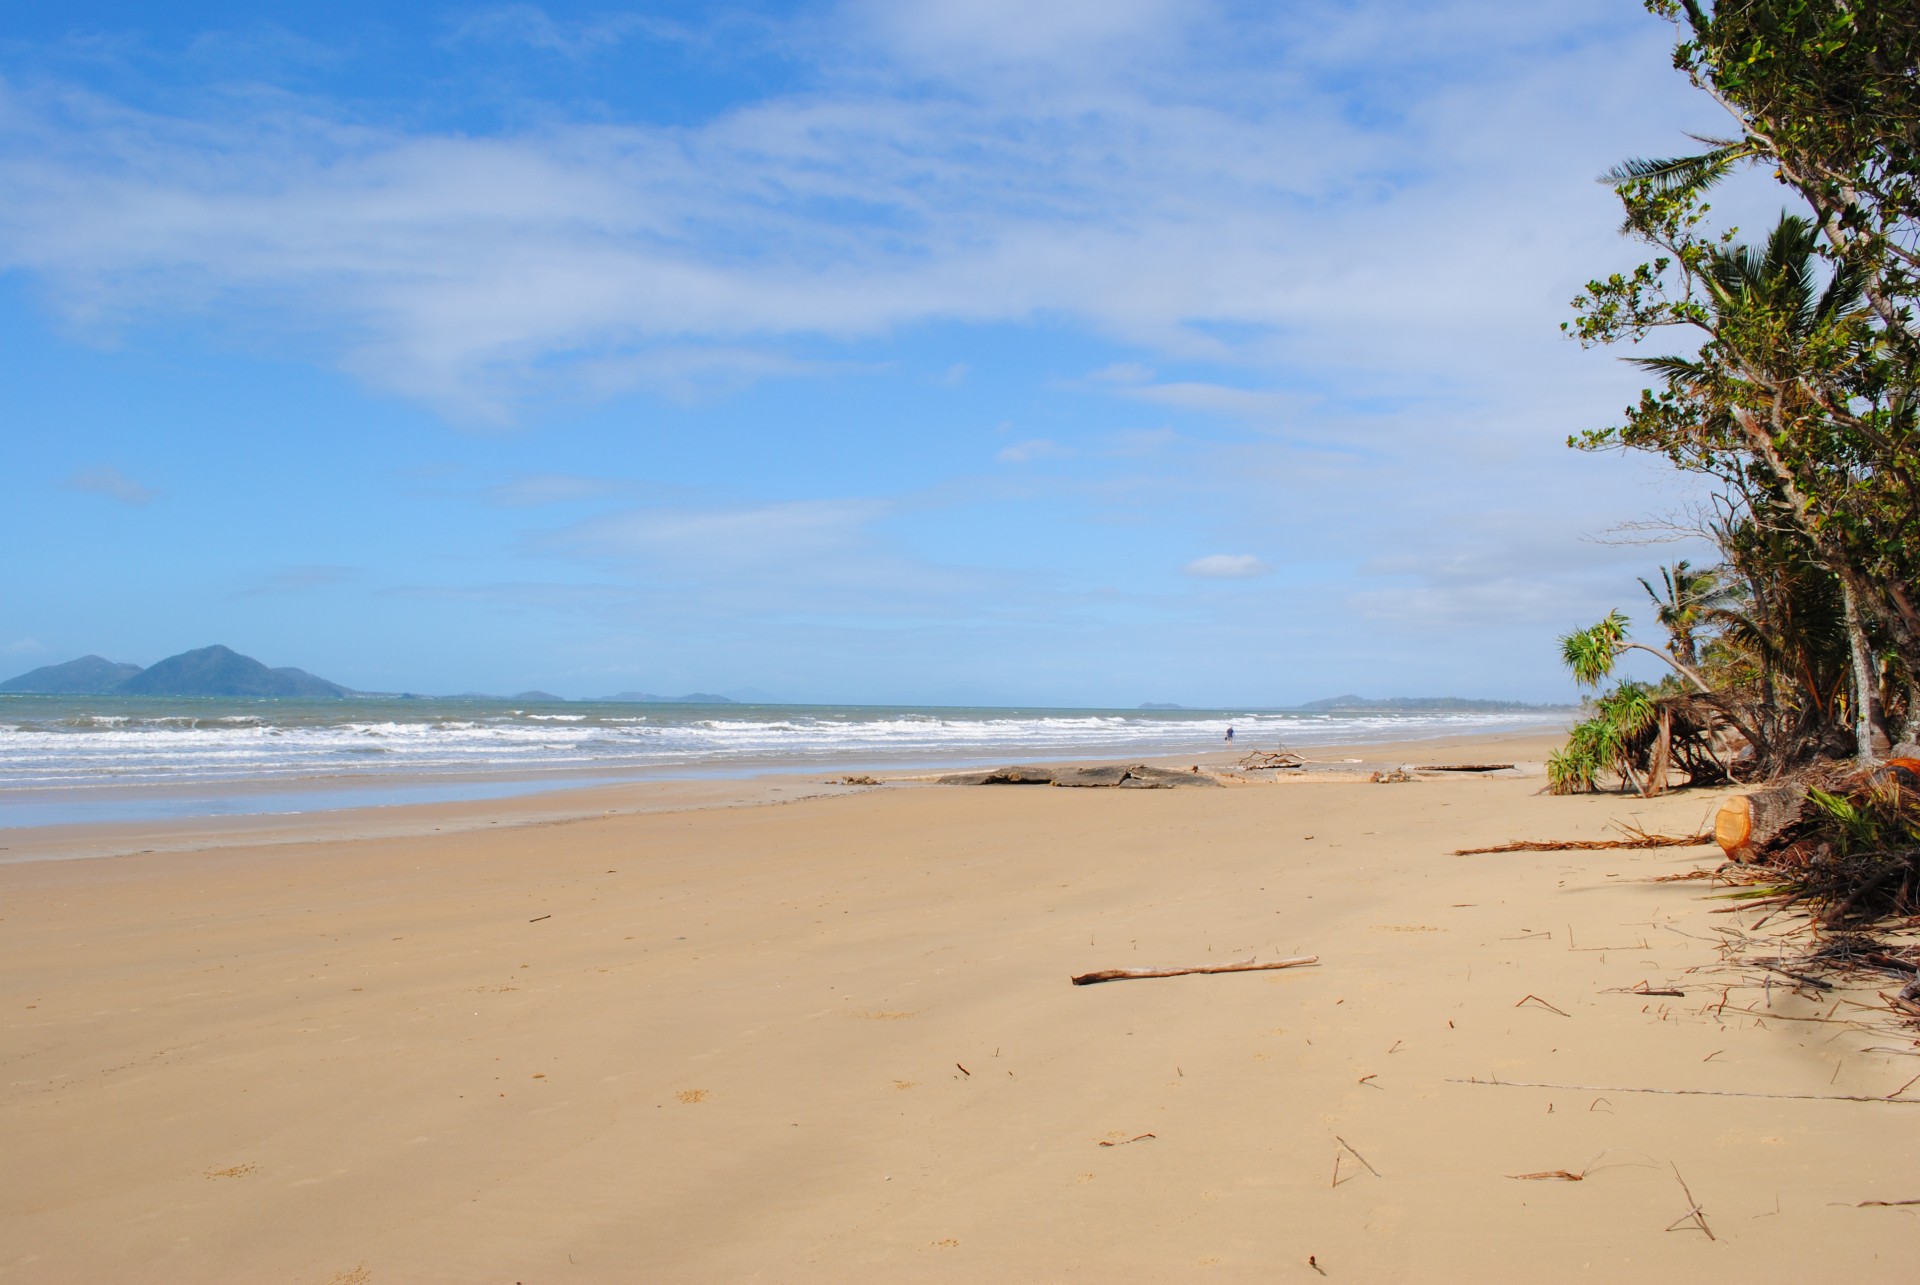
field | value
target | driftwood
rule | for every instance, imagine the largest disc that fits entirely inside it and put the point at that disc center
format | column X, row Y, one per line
column 1127, row 974
column 1264, row 760
column 1121, row 776
column 1641, row 840
column 1691, row 1093
column 1464, row 767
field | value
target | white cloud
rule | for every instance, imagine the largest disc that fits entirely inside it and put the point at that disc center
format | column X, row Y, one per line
column 1283, row 194
column 1227, row 566
column 109, row 481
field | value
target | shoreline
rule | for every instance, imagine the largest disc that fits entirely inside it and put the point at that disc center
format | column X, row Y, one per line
column 555, row 801
column 291, row 760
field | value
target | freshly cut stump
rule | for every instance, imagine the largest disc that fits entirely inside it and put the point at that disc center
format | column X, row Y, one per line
column 1749, row 825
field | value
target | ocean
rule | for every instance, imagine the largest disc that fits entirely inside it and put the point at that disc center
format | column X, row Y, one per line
column 71, row 758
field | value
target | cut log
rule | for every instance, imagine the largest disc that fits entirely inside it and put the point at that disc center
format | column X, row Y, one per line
column 1749, row 825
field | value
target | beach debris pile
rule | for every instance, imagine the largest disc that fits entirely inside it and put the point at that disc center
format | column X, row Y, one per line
column 1844, row 840
column 1391, row 776
column 1103, row 776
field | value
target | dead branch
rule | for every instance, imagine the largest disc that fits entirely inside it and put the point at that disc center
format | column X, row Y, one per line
column 1642, row 840
column 1694, row 1212
column 1464, row 767
column 1128, row 974
column 1268, row 760
column 1690, row 1093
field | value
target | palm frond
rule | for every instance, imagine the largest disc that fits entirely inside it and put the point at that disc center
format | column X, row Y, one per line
column 1680, row 175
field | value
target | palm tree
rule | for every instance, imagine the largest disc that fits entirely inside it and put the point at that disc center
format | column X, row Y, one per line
column 1688, row 600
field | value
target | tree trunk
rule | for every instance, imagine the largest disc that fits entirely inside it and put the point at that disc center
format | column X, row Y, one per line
column 1863, row 682
column 1910, row 735
column 1662, row 752
column 1748, row 825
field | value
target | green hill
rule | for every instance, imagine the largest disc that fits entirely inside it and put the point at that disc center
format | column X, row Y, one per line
column 221, row 671
column 87, row 676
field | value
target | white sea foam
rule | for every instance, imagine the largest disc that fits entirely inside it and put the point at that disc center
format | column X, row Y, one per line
column 53, row 744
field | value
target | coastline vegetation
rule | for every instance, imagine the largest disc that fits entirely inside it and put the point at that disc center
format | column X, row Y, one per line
column 1792, row 385
column 1794, row 391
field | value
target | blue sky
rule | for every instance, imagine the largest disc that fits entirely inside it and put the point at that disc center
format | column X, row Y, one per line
column 962, row 351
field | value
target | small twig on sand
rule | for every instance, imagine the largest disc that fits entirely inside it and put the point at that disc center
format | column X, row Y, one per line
column 1126, row 974
column 1356, row 1155
column 1694, row 1212
column 1885, row 1204
column 535, row 921
column 1562, row 1175
column 1124, row 1141
column 1542, row 1003
column 1690, row 1093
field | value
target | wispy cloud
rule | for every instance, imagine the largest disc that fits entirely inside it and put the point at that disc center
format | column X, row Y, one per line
column 298, row 580
column 1037, row 448
column 1227, row 566
column 960, row 165
column 537, row 489
column 109, row 481
column 755, row 536
column 532, row 26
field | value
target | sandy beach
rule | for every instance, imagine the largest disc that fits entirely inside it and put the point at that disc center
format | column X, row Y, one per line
column 799, row 1032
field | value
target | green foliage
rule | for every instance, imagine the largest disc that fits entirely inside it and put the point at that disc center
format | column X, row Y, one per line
column 1591, row 652
column 1797, row 391
column 1603, row 744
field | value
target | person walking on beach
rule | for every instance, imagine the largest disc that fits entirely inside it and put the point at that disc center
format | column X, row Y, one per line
column 1229, row 733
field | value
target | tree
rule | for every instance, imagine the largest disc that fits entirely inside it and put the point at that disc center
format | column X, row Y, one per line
column 1801, row 396
column 1687, row 602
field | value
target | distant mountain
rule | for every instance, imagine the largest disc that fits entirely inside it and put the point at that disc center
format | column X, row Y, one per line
column 87, row 676
column 648, row 698
column 1406, row 704
column 537, row 696
column 1159, row 705
column 221, row 671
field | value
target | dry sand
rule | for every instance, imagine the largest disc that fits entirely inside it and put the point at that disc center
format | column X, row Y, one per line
column 707, row 1043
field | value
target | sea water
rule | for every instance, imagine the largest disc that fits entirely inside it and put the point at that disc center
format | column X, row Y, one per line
column 67, row 758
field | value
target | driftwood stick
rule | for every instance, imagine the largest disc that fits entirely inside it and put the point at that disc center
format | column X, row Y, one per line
column 1127, row 974
column 1593, row 845
column 1693, row 1093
